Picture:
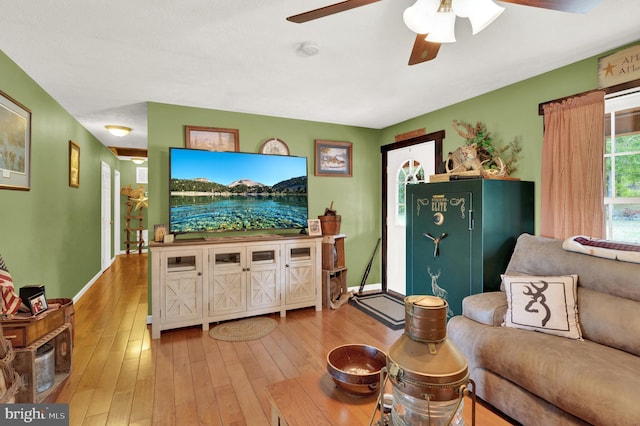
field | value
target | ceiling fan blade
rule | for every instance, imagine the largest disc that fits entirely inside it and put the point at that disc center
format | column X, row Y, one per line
column 423, row 50
column 328, row 10
column 573, row 6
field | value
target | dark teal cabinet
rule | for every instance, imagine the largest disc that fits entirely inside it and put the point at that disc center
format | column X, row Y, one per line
column 460, row 235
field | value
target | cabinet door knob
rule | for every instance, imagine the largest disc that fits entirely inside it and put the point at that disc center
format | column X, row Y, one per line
column 199, row 273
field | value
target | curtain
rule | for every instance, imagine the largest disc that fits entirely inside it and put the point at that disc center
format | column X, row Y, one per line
column 573, row 168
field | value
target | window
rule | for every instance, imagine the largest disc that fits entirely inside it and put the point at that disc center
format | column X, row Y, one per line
column 410, row 173
column 622, row 167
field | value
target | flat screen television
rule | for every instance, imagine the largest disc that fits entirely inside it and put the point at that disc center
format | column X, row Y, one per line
column 212, row 191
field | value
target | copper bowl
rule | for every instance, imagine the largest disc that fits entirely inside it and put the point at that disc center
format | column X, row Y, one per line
column 356, row 368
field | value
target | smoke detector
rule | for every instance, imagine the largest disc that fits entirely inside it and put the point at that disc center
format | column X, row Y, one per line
column 308, row 48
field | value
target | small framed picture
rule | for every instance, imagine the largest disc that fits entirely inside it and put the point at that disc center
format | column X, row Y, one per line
column 333, row 158
column 38, row 304
column 314, row 227
column 159, row 232
column 212, row 138
column 74, row 164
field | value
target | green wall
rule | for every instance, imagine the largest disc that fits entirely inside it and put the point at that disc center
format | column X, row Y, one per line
column 357, row 199
column 51, row 234
column 510, row 112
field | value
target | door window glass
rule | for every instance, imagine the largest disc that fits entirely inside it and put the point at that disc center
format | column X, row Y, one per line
column 410, row 173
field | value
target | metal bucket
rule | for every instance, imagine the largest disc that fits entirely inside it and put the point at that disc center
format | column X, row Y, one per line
column 45, row 367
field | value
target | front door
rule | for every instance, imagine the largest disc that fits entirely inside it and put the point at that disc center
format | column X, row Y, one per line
column 405, row 164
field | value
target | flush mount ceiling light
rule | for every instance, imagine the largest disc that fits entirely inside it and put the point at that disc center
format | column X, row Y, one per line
column 138, row 160
column 118, row 130
column 437, row 18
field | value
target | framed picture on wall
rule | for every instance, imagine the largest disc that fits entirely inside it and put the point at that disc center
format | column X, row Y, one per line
column 15, row 145
column 333, row 158
column 212, row 138
column 74, row 164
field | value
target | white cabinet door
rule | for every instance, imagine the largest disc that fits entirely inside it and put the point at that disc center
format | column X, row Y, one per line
column 181, row 291
column 263, row 276
column 227, row 280
column 300, row 273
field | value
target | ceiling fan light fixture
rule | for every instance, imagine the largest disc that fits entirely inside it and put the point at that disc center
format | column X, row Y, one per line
column 118, row 130
column 442, row 28
column 481, row 13
column 418, row 17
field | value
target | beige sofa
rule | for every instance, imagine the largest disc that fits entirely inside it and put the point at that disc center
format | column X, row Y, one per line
column 542, row 379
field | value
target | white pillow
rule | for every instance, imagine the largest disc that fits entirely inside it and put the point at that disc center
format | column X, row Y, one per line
column 543, row 303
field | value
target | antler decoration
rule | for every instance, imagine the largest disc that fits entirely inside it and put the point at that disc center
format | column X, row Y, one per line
column 489, row 153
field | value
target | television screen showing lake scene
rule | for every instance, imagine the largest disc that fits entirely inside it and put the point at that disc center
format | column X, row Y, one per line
column 234, row 191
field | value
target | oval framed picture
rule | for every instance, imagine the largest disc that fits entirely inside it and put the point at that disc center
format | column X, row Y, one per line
column 274, row 146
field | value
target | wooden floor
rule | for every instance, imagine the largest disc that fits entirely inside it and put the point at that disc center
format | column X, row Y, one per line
column 120, row 376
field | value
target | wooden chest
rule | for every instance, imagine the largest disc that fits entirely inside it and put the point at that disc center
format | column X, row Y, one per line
column 22, row 331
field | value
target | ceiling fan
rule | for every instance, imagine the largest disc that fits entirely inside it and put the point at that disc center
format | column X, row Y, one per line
column 427, row 44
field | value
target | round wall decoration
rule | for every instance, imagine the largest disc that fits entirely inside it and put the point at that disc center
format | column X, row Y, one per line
column 274, row 146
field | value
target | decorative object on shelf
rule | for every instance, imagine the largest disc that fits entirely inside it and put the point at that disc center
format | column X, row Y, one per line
column 168, row 238
column 314, row 227
column 330, row 221
column 333, row 158
column 159, row 232
column 74, row 164
column 15, row 164
column 38, row 304
column 132, row 192
column 10, row 301
column 29, row 292
column 491, row 156
column 212, row 138
column 243, row 330
column 274, row 146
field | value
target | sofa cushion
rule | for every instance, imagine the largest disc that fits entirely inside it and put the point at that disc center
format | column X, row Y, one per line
column 486, row 308
column 610, row 320
column 589, row 380
column 534, row 255
column 543, row 303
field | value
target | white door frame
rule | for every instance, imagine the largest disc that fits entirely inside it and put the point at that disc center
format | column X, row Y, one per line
column 435, row 136
column 105, row 217
column 116, row 213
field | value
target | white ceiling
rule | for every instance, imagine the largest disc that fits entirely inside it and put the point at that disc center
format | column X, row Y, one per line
column 102, row 60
